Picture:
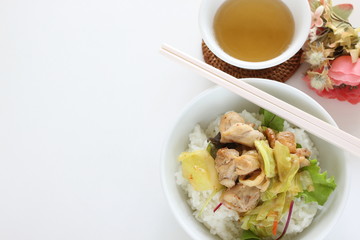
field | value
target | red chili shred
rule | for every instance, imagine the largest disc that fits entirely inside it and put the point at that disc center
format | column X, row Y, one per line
column 217, row 207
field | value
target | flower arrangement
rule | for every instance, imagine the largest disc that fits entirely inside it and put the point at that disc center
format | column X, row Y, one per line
column 333, row 50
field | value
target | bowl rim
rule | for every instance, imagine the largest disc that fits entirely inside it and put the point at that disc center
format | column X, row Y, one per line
column 283, row 57
column 165, row 185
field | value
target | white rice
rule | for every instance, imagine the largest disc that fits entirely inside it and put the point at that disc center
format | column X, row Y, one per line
column 224, row 222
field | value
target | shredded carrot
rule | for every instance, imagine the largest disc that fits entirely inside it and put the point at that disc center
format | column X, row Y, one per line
column 275, row 226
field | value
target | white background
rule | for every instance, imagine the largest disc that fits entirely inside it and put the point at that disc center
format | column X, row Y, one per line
column 85, row 103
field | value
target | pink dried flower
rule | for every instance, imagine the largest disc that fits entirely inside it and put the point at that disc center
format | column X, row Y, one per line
column 341, row 94
column 316, row 17
column 333, row 51
column 344, row 76
column 344, row 71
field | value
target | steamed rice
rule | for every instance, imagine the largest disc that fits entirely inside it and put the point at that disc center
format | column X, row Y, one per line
column 224, row 222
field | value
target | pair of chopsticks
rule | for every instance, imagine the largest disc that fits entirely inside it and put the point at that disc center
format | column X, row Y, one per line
column 289, row 112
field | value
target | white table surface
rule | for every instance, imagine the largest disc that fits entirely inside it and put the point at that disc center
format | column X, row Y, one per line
column 85, row 103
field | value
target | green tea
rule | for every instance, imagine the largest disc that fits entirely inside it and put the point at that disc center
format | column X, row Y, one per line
column 254, row 30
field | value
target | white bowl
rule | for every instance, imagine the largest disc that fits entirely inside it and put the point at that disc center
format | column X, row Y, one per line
column 215, row 101
column 300, row 10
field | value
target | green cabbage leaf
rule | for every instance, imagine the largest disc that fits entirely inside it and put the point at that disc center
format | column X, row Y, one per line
column 271, row 120
column 267, row 157
column 322, row 185
column 283, row 160
column 287, row 168
column 198, row 167
column 249, row 235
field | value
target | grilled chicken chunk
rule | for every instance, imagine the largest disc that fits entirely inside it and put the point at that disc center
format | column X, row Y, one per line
column 230, row 165
column 271, row 136
column 241, row 198
column 288, row 139
column 241, row 133
column 233, row 129
column 303, row 154
column 247, row 162
column 229, row 119
column 225, row 166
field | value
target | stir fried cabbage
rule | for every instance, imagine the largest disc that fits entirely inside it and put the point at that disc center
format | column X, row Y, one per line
column 261, row 219
column 198, row 168
column 266, row 153
column 283, row 160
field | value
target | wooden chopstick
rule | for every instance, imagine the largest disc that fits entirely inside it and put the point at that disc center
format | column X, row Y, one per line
column 289, row 112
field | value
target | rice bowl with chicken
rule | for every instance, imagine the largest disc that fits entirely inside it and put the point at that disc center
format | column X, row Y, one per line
column 203, row 110
column 242, row 177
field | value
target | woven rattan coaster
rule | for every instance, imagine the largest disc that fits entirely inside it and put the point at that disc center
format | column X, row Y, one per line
column 279, row 73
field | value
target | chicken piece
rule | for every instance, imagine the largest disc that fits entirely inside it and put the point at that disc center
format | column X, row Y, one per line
column 241, row 198
column 303, row 154
column 225, row 166
column 241, row 133
column 303, row 162
column 229, row 119
column 229, row 165
column 253, row 179
column 247, row 162
column 271, row 137
column 233, row 129
column 288, row 139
